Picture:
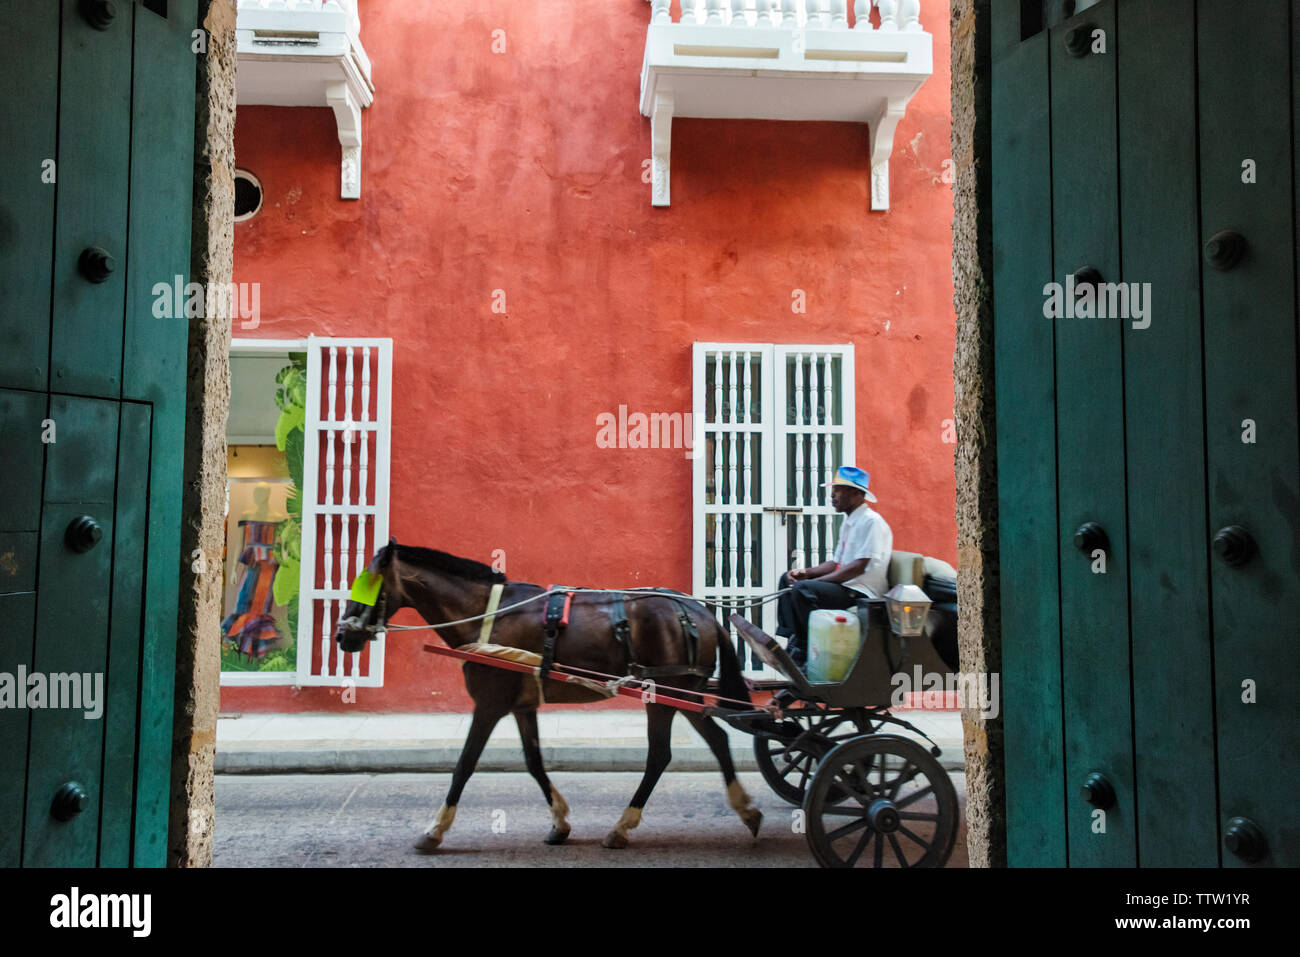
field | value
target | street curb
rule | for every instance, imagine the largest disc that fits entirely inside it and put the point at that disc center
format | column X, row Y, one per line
column 324, row 758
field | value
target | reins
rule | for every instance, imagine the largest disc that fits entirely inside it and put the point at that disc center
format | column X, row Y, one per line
column 629, row 592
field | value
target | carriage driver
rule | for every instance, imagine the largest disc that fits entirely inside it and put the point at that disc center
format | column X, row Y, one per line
column 858, row 567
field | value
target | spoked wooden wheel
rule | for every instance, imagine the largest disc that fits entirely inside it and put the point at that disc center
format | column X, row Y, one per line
column 789, row 763
column 897, row 806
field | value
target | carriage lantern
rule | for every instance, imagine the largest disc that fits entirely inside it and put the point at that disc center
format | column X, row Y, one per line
column 908, row 606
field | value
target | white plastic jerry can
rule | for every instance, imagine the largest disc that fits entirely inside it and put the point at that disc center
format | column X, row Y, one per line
column 833, row 641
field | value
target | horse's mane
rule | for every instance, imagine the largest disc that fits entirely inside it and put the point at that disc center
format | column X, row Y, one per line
column 435, row 560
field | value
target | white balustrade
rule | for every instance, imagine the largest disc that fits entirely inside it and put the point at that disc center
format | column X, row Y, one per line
column 747, row 558
column 363, row 547
column 815, row 469
column 734, row 567
column 826, row 382
column 363, row 486
column 718, row 549
column 327, row 617
column 302, row 6
column 796, row 495
column 345, row 544
column 909, row 15
column 814, row 540
column 745, row 411
column 888, row 14
column 895, row 15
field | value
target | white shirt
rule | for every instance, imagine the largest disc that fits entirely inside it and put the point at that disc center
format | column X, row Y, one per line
column 865, row 534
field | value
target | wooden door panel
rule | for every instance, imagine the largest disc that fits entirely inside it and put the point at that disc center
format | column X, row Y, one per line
column 71, row 628
column 1164, row 429
column 1250, row 334
column 1027, row 520
column 28, row 117
column 1090, row 449
column 154, row 370
column 18, row 611
column 21, row 415
column 94, row 159
column 125, row 642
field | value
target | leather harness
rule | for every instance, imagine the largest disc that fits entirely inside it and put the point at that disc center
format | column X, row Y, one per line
column 556, row 617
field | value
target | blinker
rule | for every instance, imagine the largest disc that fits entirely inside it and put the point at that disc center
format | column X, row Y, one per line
column 365, row 590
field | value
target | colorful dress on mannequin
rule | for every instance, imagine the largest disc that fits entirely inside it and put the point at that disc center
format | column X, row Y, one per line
column 251, row 629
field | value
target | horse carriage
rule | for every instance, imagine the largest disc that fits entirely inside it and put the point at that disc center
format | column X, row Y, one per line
column 866, row 796
column 830, row 752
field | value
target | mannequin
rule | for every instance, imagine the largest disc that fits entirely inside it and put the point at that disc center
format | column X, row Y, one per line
column 261, row 510
column 251, row 628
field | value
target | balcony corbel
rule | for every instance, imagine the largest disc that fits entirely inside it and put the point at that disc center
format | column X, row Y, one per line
column 347, row 115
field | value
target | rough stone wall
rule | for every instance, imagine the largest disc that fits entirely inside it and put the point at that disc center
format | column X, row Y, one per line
column 198, row 658
column 979, row 626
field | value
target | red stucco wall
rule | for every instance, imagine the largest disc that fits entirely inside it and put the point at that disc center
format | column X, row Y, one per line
column 521, row 171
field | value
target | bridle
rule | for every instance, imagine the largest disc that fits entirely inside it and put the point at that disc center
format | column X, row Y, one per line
column 372, row 621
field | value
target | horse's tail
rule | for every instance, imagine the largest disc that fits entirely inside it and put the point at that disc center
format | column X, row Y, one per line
column 731, row 684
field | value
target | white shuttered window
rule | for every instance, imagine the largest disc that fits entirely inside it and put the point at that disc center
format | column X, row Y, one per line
column 772, row 422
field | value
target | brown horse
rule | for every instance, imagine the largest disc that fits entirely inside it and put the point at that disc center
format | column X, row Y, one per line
column 442, row 587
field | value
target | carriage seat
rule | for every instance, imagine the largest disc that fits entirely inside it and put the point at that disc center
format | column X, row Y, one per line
column 932, row 575
column 911, row 568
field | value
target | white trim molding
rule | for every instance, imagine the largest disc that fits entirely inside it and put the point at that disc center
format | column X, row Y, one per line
column 308, row 53
column 784, row 60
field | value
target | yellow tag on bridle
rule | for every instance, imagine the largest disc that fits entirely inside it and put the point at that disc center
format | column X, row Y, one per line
column 365, row 590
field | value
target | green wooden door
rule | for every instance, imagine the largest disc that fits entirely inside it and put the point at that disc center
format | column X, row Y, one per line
column 96, row 151
column 1150, row 717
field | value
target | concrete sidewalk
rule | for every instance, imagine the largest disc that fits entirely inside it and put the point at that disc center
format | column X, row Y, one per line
column 572, row 740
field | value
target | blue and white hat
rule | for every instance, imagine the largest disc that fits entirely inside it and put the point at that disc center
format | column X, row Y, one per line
column 853, row 477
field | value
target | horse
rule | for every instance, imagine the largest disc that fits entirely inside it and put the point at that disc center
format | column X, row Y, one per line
column 442, row 587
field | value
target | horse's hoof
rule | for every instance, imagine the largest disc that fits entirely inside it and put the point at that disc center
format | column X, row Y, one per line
column 427, row 843
column 557, row 836
column 752, row 821
column 614, row 840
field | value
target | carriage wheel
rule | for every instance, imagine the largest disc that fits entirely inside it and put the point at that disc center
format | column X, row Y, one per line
column 788, row 764
column 898, row 807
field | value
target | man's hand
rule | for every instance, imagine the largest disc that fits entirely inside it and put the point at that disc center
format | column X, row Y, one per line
column 808, row 574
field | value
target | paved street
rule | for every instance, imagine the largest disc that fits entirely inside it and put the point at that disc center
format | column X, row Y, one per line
column 370, row 820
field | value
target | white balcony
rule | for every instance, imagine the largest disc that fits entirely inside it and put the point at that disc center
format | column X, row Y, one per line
column 308, row 53
column 784, row 60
